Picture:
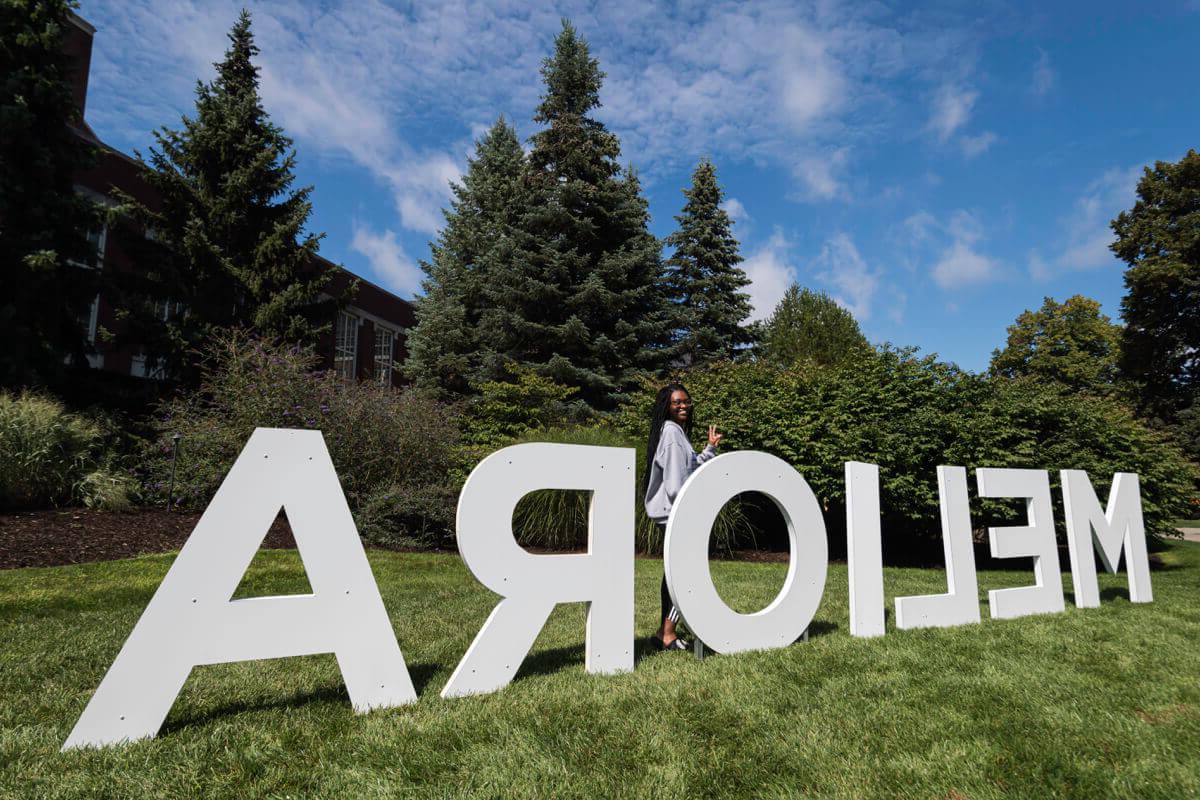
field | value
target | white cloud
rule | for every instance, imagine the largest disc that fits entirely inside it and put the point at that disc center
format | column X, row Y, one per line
column 770, row 274
column 974, row 145
column 818, row 174
column 957, row 259
column 960, row 265
column 843, row 269
column 1044, row 76
column 395, row 269
column 736, row 211
column 1085, row 232
column 400, row 90
column 951, row 109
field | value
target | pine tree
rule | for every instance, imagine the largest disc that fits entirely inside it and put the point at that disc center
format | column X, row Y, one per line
column 577, row 291
column 445, row 350
column 44, row 223
column 704, row 278
column 230, row 230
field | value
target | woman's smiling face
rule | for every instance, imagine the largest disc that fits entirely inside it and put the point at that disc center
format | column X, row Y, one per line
column 680, row 408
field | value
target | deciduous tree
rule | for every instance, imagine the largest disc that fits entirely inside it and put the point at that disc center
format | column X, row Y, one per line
column 1159, row 238
column 810, row 327
column 1071, row 344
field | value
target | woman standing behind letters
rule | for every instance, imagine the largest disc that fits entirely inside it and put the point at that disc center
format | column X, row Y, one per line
column 670, row 459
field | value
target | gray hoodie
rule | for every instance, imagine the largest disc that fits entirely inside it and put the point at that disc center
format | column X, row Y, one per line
column 674, row 461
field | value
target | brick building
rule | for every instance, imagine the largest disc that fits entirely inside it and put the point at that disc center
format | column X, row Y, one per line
column 367, row 337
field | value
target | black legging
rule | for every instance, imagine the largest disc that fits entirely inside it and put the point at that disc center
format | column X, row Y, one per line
column 669, row 611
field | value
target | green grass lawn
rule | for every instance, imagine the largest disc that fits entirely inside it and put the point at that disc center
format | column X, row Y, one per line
column 1090, row 703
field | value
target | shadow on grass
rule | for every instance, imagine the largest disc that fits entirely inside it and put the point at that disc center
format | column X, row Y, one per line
column 420, row 674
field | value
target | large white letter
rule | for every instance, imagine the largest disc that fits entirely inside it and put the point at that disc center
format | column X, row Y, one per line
column 960, row 605
column 686, row 553
column 1121, row 525
column 864, row 550
column 191, row 620
column 531, row 585
column 1035, row 539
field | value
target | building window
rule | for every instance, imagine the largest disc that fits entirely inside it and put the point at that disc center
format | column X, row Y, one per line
column 345, row 349
column 96, row 237
column 384, row 342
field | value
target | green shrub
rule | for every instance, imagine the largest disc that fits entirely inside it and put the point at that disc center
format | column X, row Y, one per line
column 383, row 442
column 909, row 414
column 49, row 456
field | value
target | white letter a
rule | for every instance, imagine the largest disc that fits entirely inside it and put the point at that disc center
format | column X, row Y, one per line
column 192, row 621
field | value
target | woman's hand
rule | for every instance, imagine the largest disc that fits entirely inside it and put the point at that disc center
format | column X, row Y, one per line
column 714, row 438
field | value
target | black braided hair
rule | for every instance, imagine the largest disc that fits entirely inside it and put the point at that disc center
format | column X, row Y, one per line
column 658, row 415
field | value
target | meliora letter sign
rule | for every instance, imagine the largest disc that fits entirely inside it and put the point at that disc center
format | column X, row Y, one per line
column 191, row 619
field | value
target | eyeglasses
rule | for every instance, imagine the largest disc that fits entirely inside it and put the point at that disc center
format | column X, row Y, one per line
column 681, row 404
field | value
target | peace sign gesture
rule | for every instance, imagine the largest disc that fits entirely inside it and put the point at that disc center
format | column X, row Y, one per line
column 714, row 438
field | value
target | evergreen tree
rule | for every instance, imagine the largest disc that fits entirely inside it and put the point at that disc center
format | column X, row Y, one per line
column 44, row 223
column 230, row 230
column 704, row 278
column 1159, row 238
column 445, row 348
column 1070, row 343
column 576, row 290
column 810, row 327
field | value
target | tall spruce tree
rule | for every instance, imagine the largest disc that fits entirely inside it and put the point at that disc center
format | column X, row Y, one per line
column 230, row 229
column 44, row 223
column 704, row 277
column 446, row 351
column 576, row 291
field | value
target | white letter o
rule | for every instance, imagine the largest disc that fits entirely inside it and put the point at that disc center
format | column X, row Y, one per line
column 685, row 555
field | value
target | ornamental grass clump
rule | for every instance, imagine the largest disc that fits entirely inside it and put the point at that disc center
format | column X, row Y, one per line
column 51, row 457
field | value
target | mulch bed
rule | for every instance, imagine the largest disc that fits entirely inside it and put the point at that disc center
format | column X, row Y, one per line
column 79, row 535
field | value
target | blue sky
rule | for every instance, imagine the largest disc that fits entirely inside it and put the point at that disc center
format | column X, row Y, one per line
column 936, row 167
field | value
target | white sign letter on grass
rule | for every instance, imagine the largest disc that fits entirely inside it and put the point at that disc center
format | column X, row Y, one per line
column 864, row 550
column 686, row 553
column 1120, row 526
column 1035, row 539
column 531, row 585
column 960, row 605
column 192, row 621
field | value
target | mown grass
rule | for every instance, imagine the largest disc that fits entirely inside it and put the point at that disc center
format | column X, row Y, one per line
column 1090, row 703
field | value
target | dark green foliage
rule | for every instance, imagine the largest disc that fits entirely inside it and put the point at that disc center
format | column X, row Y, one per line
column 1159, row 238
column 575, row 291
column 909, row 414
column 525, row 402
column 1071, row 344
column 393, row 450
column 44, row 223
column 446, row 351
column 229, row 247
column 704, row 278
column 809, row 327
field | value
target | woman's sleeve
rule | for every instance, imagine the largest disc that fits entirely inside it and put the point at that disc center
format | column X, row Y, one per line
column 706, row 454
column 676, row 463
